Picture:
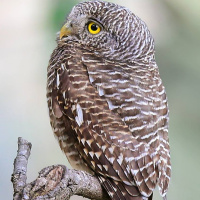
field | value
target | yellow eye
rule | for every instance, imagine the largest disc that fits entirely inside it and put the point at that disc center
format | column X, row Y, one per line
column 94, row 28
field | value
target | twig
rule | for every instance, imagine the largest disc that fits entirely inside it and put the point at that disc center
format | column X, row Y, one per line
column 20, row 167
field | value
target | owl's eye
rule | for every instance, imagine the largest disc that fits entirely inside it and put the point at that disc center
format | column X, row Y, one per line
column 94, row 28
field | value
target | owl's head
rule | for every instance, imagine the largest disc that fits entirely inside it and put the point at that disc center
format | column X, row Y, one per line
column 110, row 30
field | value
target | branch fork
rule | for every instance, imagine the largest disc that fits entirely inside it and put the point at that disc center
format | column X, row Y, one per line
column 53, row 182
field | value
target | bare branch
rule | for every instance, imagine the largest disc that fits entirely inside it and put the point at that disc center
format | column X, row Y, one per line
column 20, row 167
column 53, row 182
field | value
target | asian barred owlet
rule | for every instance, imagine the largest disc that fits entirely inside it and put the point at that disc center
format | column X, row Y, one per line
column 107, row 104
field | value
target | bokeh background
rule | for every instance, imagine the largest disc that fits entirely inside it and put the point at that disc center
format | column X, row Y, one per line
column 27, row 38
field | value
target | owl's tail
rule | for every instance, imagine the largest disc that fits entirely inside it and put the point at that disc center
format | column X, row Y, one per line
column 120, row 191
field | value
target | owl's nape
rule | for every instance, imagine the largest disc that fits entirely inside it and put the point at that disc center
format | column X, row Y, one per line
column 107, row 104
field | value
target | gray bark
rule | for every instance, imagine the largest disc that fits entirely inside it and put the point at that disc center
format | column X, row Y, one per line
column 53, row 182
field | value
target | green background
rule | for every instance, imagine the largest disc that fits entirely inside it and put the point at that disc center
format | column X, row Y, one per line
column 27, row 38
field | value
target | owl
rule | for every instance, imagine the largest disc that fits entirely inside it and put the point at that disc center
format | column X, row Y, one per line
column 107, row 104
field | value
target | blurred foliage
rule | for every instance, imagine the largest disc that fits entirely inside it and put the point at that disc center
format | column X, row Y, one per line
column 59, row 12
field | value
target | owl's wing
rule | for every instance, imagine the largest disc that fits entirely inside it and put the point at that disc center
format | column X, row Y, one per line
column 104, row 140
column 135, row 93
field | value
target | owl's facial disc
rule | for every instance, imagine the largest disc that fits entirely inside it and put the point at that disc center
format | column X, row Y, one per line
column 76, row 27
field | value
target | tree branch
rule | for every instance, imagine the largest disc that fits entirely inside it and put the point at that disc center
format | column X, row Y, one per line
column 53, row 182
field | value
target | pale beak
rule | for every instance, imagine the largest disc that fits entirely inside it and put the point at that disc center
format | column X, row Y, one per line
column 66, row 30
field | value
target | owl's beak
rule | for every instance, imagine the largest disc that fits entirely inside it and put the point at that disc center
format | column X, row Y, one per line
column 66, row 30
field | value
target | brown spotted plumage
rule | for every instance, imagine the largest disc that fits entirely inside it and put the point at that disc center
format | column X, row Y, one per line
column 107, row 105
